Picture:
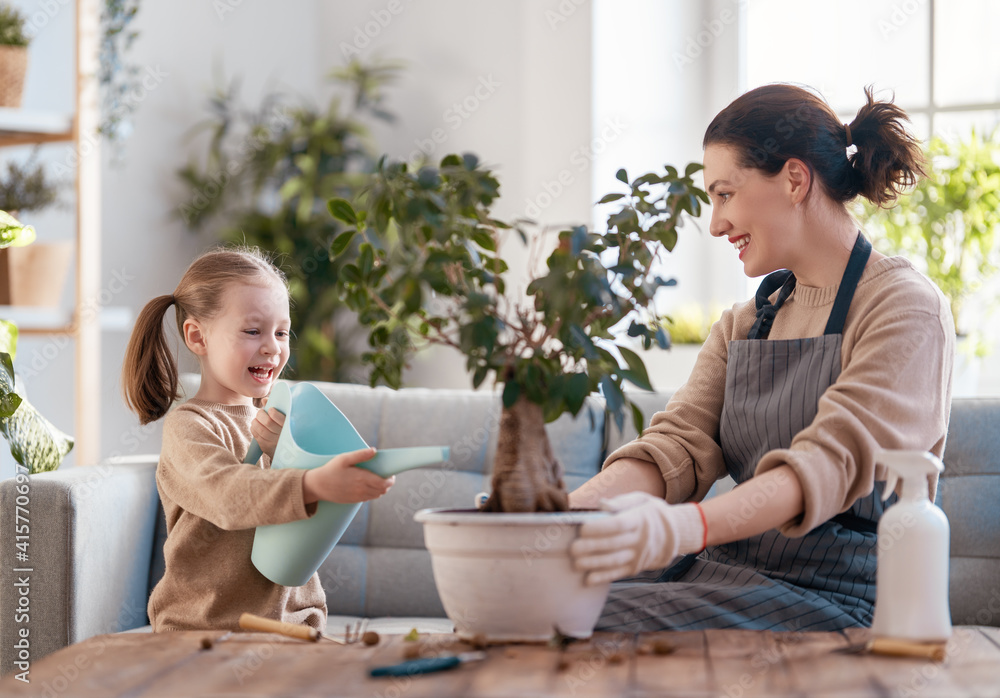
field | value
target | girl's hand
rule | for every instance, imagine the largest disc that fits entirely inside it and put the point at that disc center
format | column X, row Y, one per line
column 266, row 428
column 340, row 481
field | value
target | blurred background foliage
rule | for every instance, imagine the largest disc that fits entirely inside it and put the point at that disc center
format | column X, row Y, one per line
column 265, row 180
column 949, row 226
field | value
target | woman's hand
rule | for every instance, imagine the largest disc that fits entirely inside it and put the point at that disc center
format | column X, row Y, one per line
column 266, row 428
column 340, row 481
column 642, row 533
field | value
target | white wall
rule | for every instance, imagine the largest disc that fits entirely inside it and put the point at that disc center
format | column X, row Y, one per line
column 145, row 248
column 555, row 136
column 528, row 60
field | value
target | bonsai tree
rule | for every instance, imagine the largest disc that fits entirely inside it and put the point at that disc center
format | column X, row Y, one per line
column 416, row 235
column 291, row 159
column 34, row 442
column 950, row 223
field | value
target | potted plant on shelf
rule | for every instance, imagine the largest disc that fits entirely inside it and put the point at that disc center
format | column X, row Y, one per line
column 13, row 56
column 35, row 275
column 428, row 235
column 949, row 225
column 34, row 442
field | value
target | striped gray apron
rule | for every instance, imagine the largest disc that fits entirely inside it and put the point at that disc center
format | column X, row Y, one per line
column 824, row 580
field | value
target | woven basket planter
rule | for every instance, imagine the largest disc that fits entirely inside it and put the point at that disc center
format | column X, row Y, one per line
column 34, row 275
column 13, row 66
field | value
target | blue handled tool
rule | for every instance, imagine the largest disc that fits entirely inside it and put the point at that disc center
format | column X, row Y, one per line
column 426, row 665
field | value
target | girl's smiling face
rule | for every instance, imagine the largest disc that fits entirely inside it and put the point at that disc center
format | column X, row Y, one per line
column 244, row 347
column 751, row 210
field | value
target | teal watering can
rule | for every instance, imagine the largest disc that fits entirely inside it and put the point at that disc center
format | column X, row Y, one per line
column 314, row 432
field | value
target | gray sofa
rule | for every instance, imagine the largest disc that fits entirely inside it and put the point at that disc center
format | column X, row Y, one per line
column 97, row 532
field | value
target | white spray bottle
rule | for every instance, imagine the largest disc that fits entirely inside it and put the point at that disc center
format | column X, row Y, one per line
column 911, row 600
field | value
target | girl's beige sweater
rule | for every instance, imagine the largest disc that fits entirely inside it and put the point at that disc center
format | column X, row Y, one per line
column 213, row 502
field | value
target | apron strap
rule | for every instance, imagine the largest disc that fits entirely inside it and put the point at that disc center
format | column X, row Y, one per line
column 783, row 279
column 855, row 267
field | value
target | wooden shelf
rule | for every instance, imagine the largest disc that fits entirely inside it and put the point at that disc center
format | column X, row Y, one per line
column 26, row 126
column 41, row 321
column 23, row 127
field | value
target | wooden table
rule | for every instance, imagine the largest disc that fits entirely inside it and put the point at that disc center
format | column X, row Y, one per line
column 730, row 663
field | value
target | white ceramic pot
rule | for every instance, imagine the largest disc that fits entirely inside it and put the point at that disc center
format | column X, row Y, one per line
column 508, row 577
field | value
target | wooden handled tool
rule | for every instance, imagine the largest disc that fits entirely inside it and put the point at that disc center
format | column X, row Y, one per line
column 249, row 621
column 907, row 648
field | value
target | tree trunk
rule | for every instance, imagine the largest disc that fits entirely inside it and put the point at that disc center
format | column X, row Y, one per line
column 526, row 475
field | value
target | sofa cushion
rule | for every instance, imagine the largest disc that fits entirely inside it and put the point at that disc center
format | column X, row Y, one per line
column 969, row 494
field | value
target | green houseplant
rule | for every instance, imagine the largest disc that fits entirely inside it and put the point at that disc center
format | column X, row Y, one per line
column 13, row 55
column 266, row 178
column 421, row 264
column 36, row 275
column 34, row 442
column 27, row 186
column 950, row 223
column 429, row 235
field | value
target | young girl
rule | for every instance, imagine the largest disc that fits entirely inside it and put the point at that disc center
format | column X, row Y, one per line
column 232, row 313
column 844, row 351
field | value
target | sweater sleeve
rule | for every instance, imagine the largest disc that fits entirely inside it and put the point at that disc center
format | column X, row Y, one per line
column 894, row 392
column 683, row 439
column 200, row 472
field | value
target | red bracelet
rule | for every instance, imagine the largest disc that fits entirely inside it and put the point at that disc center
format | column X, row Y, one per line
column 704, row 522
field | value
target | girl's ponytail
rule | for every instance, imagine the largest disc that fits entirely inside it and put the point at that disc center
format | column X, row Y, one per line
column 149, row 374
column 888, row 158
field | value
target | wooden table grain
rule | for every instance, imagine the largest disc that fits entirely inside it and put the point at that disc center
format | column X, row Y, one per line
column 729, row 663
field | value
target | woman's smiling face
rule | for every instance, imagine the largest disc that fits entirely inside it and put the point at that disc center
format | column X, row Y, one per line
column 750, row 209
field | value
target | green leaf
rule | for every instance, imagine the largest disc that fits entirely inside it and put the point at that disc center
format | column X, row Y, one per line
column 608, row 198
column 342, row 210
column 342, row 242
column 9, row 403
column 8, row 339
column 511, row 391
column 638, row 421
column 577, row 389
column 13, row 233
column 612, row 394
column 480, row 375
column 484, row 240
column 621, row 175
column 637, row 369
column 34, row 442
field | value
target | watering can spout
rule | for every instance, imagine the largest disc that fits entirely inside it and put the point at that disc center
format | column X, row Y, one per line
column 314, row 432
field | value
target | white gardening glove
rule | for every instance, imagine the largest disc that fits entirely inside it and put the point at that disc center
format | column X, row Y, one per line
column 643, row 533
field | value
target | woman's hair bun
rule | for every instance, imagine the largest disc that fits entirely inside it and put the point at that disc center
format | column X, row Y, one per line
column 771, row 124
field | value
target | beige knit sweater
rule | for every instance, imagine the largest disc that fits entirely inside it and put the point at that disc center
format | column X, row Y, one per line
column 894, row 391
column 213, row 502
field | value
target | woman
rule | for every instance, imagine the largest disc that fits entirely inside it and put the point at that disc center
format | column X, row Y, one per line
column 843, row 351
